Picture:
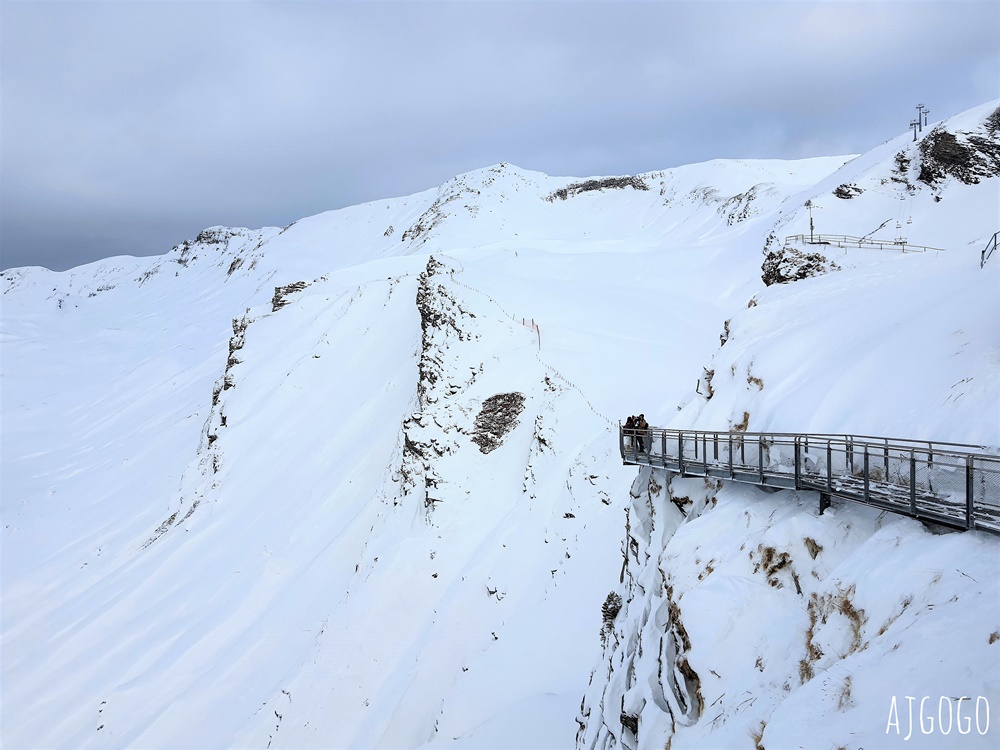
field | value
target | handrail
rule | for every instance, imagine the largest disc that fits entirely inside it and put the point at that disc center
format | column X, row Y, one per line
column 988, row 250
column 953, row 484
column 846, row 240
column 976, row 449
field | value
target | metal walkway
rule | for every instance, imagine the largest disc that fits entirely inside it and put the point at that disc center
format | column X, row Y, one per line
column 945, row 483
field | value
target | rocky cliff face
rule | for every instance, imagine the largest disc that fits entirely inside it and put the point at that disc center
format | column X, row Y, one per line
column 788, row 264
column 968, row 156
column 749, row 620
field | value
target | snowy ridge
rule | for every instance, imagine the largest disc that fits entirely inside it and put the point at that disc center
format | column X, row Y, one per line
column 317, row 486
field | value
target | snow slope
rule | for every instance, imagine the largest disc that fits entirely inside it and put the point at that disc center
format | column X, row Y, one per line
column 246, row 500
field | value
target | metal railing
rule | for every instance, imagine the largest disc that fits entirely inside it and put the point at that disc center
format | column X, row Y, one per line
column 845, row 240
column 988, row 250
column 951, row 484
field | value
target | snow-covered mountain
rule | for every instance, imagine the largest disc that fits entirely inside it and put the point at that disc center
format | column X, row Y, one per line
column 355, row 482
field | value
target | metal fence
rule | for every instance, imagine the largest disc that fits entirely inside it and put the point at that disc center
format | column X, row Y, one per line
column 988, row 250
column 947, row 483
column 846, row 240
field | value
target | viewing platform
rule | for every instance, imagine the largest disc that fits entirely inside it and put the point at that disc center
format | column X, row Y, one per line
column 950, row 484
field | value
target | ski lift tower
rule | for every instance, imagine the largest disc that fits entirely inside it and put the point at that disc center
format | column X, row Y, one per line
column 810, row 205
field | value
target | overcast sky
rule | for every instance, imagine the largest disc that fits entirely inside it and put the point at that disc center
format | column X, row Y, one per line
column 130, row 126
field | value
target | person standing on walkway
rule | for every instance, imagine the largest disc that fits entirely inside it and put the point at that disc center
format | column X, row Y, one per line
column 629, row 431
column 641, row 427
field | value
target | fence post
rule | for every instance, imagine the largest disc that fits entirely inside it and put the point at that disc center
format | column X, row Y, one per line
column 704, row 453
column 886, row 475
column 866, row 472
column 663, row 447
column 913, row 484
column 680, row 453
column 829, row 465
column 798, row 458
column 760, row 457
column 970, row 516
column 715, row 444
column 621, row 441
column 731, row 474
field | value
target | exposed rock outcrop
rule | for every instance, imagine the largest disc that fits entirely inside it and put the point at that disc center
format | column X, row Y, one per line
column 605, row 183
column 425, row 438
column 847, row 190
column 791, row 264
column 440, row 317
column 968, row 157
column 281, row 293
column 497, row 417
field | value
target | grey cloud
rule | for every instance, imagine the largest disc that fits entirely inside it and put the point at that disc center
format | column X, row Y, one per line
column 149, row 121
